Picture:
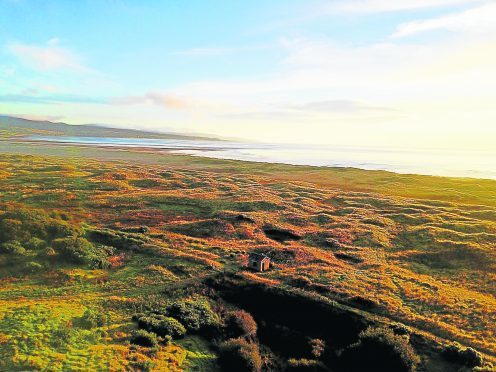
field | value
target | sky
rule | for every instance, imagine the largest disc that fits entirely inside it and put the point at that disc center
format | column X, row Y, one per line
column 404, row 74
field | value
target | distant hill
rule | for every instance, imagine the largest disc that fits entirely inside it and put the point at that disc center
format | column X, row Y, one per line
column 15, row 127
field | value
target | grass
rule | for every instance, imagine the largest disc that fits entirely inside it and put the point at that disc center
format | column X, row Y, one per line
column 422, row 250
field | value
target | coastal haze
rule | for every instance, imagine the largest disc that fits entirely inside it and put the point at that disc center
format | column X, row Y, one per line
column 453, row 163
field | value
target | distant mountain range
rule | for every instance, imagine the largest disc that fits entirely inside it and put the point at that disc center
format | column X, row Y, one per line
column 15, row 127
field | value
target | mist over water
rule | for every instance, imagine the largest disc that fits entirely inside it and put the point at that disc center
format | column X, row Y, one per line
column 429, row 162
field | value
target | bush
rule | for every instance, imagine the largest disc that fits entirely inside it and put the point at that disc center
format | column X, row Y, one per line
column 32, row 267
column 162, row 325
column 91, row 319
column 194, row 313
column 62, row 337
column 60, row 229
column 305, row 365
column 144, row 338
column 463, row 355
column 80, row 251
column 379, row 349
column 24, row 224
column 240, row 355
column 13, row 248
column 240, row 324
column 11, row 229
column 317, row 347
column 35, row 244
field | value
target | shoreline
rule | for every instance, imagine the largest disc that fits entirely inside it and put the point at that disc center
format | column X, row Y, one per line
column 183, row 151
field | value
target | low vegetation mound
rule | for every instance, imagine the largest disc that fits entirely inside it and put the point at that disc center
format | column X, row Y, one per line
column 36, row 238
column 466, row 356
column 195, row 313
column 205, row 229
column 240, row 324
column 381, row 350
column 240, row 355
column 162, row 325
column 144, row 338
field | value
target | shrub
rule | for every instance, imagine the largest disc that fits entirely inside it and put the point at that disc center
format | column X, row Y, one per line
column 35, row 244
column 136, row 316
column 62, row 337
column 194, row 313
column 162, row 325
column 11, row 229
column 400, row 329
column 81, row 251
column 317, row 347
column 74, row 249
column 91, row 319
column 60, row 229
column 24, row 224
column 463, row 355
column 171, row 327
column 305, row 365
column 379, row 349
column 144, row 338
column 167, row 340
column 13, row 248
column 240, row 324
column 32, row 267
column 240, row 355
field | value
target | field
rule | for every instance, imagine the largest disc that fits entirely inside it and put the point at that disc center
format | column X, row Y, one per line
column 409, row 249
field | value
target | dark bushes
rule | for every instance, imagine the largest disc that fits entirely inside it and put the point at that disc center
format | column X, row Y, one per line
column 80, row 251
column 91, row 319
column 23, row 224
column 162, row 325
column 144, row 338
column 14, row 248
column 463, row 355
column 240, row 355
column 379, row 349
column 240, row 324
column 194, row 313
column 305, row 365
column 26, row 232
column 32, row 267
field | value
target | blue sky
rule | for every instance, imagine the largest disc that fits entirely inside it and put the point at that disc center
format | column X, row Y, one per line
column 413, row 73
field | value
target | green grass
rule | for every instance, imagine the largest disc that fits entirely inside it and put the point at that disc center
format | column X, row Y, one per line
column 43, row 337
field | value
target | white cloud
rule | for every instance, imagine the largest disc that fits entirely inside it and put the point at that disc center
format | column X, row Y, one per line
column 479, row 20
column 47, row 57
column 162, row 99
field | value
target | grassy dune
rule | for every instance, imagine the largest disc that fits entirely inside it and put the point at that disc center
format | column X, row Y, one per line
column 414, row 249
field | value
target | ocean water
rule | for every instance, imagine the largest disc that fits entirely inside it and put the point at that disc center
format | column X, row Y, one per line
column 476, row 164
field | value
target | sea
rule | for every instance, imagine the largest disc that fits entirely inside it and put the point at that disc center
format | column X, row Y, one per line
column 474, row 164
